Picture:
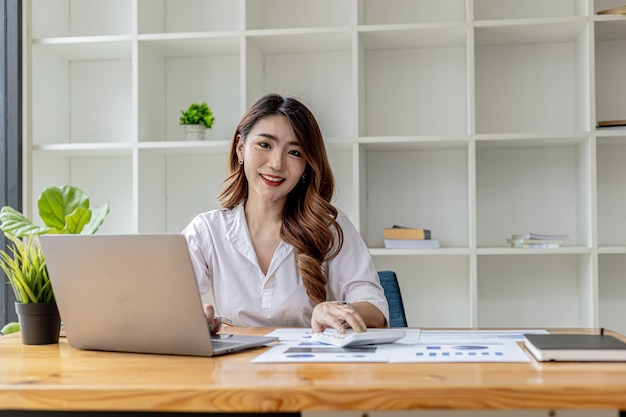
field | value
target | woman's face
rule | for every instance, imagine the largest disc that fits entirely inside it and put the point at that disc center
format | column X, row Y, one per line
column 273, row 159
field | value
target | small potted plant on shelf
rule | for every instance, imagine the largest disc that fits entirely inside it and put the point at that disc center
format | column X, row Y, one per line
column 64, row 210
column 196, row 119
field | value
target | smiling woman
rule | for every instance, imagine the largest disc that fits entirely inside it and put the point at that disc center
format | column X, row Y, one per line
column 10, row 128
column 279, row 253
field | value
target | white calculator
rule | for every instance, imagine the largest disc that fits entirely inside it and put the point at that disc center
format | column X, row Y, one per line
column 352, row 338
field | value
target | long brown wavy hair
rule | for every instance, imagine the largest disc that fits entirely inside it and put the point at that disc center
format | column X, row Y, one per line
column 309, row 219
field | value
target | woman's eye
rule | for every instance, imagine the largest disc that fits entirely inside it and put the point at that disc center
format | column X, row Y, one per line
column 264, row 145
column 295, row 153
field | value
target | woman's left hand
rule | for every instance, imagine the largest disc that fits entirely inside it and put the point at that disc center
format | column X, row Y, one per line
column 338, row 316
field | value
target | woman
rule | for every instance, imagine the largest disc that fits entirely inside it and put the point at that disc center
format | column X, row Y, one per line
column 279, row 253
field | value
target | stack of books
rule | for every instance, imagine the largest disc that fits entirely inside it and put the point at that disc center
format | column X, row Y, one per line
column 536, row 240
column 399, row 237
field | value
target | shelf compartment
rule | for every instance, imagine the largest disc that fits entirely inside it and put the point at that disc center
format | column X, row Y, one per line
column 374, row 12
column 105, row 177
column 170, row 81
column 173, row 16
column 320, row 78
column 612, row 291
column 434, row 288
column 278, row 14
column 610, row 60
column 401, row 72
column 524, row 187
column 534, row 291
column 611, row 170
column 54, row 18
column 96, row 93
column 426, row 188
column 528, row 9
column 532, row 78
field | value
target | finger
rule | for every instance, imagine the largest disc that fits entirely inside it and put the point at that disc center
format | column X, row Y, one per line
column 352, row 319
column 347, row 320
column 214, row 323
column 317, row 327
column 330, row 319
column 356, row 323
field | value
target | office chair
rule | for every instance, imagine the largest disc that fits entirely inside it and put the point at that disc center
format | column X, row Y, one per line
column 389, row 281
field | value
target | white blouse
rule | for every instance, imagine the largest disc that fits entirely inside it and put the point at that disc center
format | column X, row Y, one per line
column 225, row 263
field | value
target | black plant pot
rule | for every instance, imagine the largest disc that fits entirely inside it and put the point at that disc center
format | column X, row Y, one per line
column 40, row 323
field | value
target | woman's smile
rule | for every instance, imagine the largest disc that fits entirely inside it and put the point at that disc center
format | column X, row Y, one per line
column 271, row 180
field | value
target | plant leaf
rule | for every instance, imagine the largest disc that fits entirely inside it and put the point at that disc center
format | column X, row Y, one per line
column 16, row 224
column 98, row 214
column 76, row 221
column 25, row 267
column 55, row 203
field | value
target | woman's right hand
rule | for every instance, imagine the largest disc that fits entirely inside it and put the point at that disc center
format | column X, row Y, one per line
column 214, row 323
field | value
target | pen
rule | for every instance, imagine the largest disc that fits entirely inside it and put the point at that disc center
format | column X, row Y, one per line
column 226, row 321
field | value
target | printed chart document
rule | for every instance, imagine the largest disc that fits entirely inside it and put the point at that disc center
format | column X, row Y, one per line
column 417, row 346
column 465, row 346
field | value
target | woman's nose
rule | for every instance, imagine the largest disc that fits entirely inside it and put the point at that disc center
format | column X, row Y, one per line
column 276, row 160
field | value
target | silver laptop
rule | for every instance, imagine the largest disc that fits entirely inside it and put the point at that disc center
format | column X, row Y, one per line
column 132, row 293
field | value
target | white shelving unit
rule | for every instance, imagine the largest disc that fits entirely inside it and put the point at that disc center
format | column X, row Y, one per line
column 474, row 118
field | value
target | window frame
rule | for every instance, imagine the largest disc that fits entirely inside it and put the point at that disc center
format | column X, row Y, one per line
column 10, row 129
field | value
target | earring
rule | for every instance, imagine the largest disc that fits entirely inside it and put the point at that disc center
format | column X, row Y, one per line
column 240, row 162
column 303, row 178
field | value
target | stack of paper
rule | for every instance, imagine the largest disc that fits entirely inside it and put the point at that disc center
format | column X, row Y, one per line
column 535, row 240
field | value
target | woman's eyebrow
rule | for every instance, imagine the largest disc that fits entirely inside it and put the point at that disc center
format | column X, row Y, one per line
column 274, row 138
column 267, row 135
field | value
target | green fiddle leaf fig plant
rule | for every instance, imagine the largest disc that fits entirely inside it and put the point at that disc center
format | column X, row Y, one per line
column 197, row 113
column 63, row 210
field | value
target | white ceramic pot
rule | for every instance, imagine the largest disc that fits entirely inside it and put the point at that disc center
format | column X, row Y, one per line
column 194, row 132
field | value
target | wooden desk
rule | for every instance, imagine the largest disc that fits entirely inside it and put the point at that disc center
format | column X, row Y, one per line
column 58, row 377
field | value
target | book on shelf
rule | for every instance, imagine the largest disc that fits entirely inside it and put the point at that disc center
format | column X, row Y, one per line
column 611, row 124
column 575, row 347
column 411, row 243
column 400, row 232
column 614, row 10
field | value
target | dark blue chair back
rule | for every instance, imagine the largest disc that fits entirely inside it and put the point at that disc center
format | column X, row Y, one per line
column 389, row 281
